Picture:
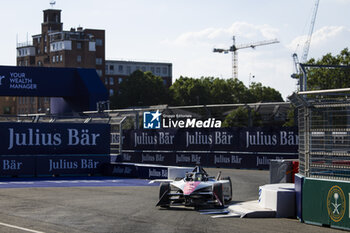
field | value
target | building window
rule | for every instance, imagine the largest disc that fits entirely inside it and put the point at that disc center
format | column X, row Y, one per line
column 99, row 72
column 111, row 92
column 57, row 58
column 99, row 42
column 120, row 80
column 78, row 58
column 78, row 45
column 120, row 68
column 152, row 70
column 106, row 81
column 157, row 70
column 98, row 61
column 45, row 49
column 111, row 67
column 128, row 70
column 143, row 68
column 165, row 70
column 61, row 58
column 53, row 59
column 111, row 81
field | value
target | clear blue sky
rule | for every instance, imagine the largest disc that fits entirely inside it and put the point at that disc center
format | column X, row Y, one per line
column 184, row 32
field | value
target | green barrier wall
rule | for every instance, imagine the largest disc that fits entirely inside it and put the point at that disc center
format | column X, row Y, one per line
column 326, row 203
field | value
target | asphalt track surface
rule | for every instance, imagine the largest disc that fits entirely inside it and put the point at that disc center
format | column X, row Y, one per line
column 122, row 205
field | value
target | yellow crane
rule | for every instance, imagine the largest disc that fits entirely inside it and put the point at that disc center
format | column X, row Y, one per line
column 233, row 49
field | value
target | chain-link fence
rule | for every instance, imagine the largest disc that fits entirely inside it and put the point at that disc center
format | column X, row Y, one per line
column 324, row 133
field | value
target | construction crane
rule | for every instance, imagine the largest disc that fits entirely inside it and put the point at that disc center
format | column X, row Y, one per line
column 306, row 48
column 233, row 49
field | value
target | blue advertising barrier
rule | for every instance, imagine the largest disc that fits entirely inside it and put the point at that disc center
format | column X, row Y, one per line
column 48, row 165
column 143, row 171
column 17, row 165
column 299, row 180
column 54, row 138
column 209, row 159
column 80, row 88
column 257, row 139
column 123, row 170
column 224, row 147
column 39, row 149
column 71, row 165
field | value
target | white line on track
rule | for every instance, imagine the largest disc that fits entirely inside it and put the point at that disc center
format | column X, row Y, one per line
column 20, row 228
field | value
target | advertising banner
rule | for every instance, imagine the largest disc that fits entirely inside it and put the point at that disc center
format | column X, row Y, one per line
column 61, row 165
column 211, row 159
column 17, row 165
column 37, row 81
column 326, row 202
column 258, row 139
column 54, row 138
column 47, row 165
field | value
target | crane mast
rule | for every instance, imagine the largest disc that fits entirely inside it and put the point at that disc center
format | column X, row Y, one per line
column 306, row 49
column 233, row 49
column 311, row 30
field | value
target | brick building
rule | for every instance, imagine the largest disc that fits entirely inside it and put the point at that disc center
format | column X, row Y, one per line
column 82, row 48
column 54, row 47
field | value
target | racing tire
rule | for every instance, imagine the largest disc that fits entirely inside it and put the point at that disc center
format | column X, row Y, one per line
column 219, row 194
column 230, row 182
column 164, row 190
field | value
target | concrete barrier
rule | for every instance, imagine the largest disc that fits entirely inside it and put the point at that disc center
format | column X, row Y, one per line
column 278, row 197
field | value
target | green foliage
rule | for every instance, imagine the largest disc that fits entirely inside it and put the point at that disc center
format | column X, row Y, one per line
column 240, row 118
column 290, row 118
column 264, row 94
column 144, row 89
column 189, row 91
column 209, row 90
column 140, row 89
column 319, row 79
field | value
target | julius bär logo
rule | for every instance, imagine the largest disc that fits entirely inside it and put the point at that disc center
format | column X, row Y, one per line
column 1, row 78
column 151, row 120
column 336, row 203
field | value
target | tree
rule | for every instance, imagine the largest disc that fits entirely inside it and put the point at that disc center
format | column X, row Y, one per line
column 290, row 121
column 210, row 90
column 240, row 118
column 260, row 93
column 189, row 91
column 322, row 78
column 140, row 89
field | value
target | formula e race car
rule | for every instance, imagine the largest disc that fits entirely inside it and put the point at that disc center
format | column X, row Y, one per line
column 196, row 189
